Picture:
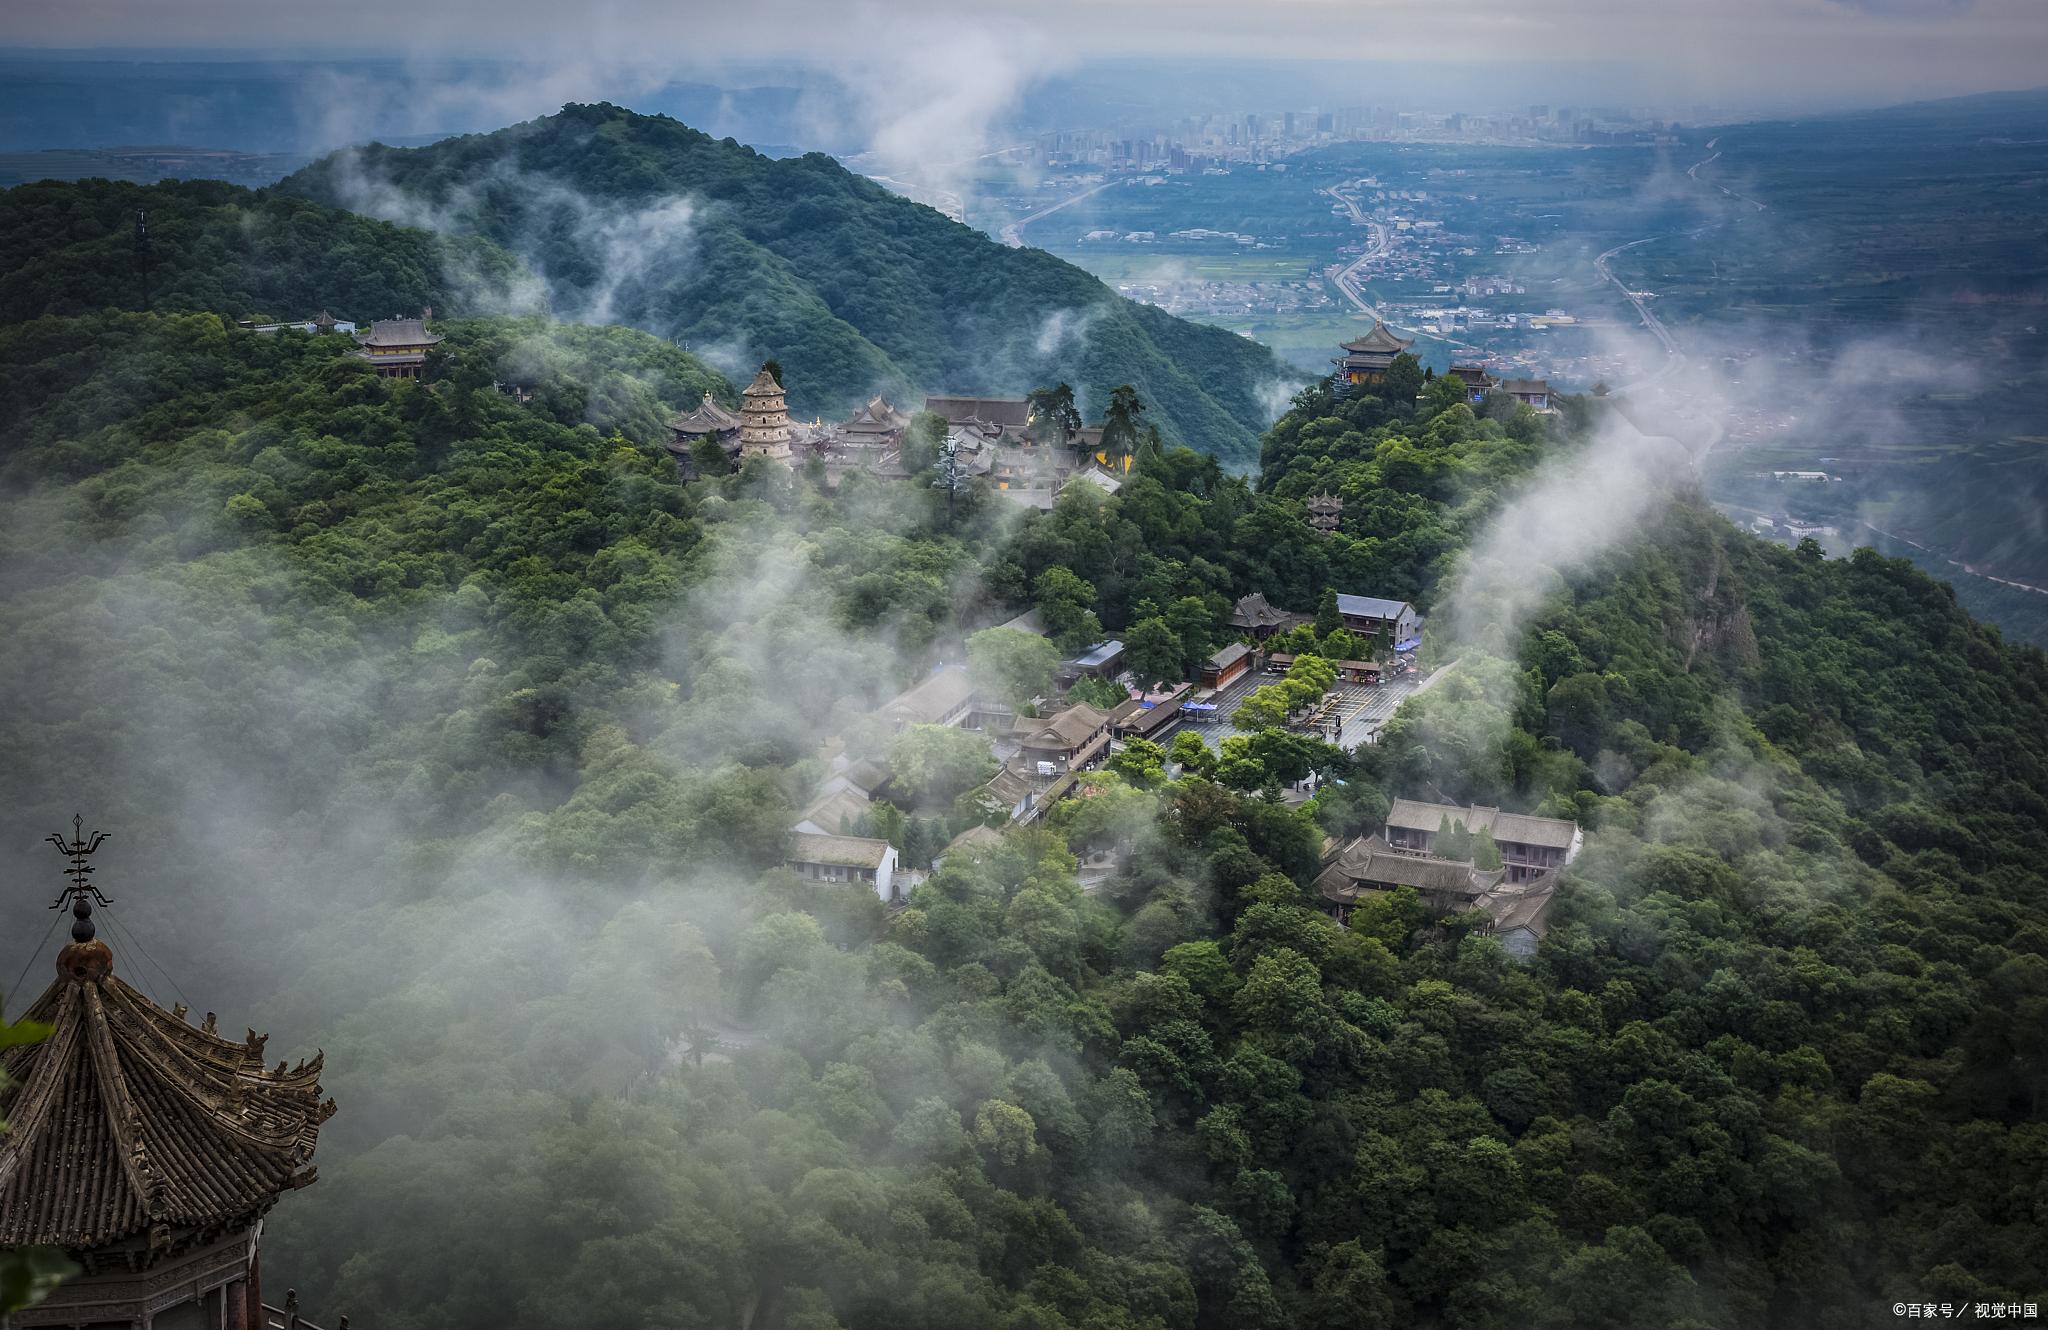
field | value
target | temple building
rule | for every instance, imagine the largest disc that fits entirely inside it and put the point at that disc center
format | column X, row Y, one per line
column 879, row 424
column 764, row 419
column 1394, row 622
column 1324, row 511
column 397, row 348
column 1532, row 393
column 146, row 1148
column 709, row 421
column 1366, row 359
column 1476, row 380
column 994, row 417
column 1256, row 615
column 1529, row 846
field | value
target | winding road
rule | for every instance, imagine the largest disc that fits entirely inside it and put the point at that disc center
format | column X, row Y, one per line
column 1382, row 241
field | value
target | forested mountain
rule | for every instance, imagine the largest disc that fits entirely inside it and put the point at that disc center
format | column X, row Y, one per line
column 70, row 248
column 472, row 736
column 642, row 220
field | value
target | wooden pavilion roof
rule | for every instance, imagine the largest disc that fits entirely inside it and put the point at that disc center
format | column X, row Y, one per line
column 128, row 1119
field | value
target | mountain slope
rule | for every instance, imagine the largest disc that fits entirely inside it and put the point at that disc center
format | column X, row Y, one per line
column 640, row 219
column 69, row 248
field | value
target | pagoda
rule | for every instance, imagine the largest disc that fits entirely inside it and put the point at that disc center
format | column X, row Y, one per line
column 1366, row 359
column 148, row 1149
column 764, row 419
column 1324, row 511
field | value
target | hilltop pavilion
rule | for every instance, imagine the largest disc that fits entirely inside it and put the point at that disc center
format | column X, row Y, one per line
column 1366, row 359
column 147, row 1149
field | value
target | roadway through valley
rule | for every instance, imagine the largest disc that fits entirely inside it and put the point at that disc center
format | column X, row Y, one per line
column 1347, row 279
column 1013, row 234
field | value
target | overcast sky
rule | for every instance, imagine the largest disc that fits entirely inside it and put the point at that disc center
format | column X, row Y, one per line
column 1756, row 53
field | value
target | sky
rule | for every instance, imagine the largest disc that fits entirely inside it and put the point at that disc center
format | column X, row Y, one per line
column 1765, row 54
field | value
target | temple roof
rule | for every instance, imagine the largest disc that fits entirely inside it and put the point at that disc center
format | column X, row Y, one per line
column 398, row 332
column 1381, row 339
column 708, row 418
column 1512, row 828
column 1066, row 729
column 1369, row 863
column 764, row 385
column 1255, row 611
column 1014, row 412
column 127, row 1119
column 843, row 851
column 879, row 416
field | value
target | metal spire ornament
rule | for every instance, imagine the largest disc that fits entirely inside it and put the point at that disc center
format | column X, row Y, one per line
column 81, row 893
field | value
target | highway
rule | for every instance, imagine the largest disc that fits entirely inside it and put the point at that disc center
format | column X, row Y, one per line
column 1382, row 241
column 1013, row 234
column 1673, row 357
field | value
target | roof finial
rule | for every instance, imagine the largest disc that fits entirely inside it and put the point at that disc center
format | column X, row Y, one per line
column 81, row 893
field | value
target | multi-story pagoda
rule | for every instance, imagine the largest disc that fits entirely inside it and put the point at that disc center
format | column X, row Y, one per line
column 1325, row 511
column 397, row 348
column 1366, row 359
column 146, row 1148
column 764, row 419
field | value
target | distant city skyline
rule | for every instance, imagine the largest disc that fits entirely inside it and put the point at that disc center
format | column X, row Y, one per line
column 1762, row 54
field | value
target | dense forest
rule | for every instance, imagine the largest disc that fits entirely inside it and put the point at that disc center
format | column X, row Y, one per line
column 72, row 249
column 641, row 220
column 452, row 733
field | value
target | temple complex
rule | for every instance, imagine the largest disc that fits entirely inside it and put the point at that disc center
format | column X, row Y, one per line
column 146, row 1148
column 1366, row 359
column 397, row 348
column 764, row 419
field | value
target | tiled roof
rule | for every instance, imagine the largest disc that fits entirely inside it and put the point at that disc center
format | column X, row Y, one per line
column 844, row 851
column 1370, row 862
column 1011, row 411
column 838, row 810
column 127, row 1118
column 1066, row 729
column 397, row 332
column 1370, row 607
column 708, row 418
column 1255, row 611
column 1228, row 655
column 932, row 700
column 1514, row 828
column 1380, row 340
